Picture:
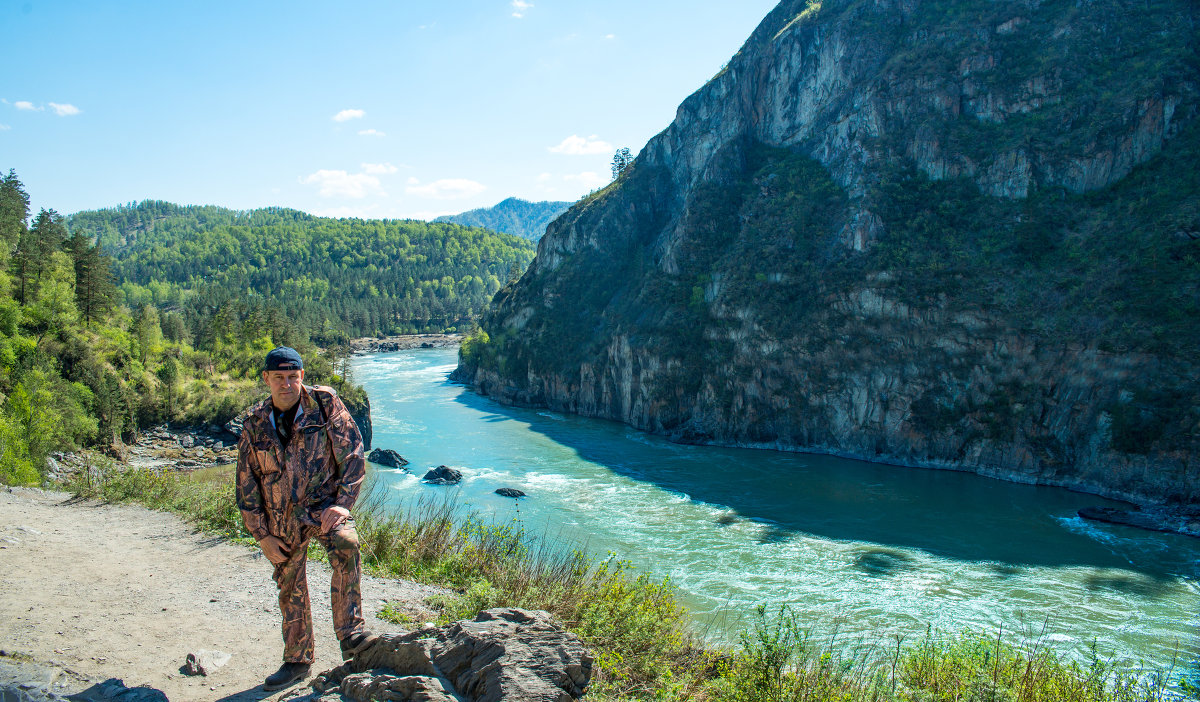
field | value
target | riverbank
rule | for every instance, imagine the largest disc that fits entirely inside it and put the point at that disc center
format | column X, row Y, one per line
column 95, row 591
column 404, row 342
column 134, row 591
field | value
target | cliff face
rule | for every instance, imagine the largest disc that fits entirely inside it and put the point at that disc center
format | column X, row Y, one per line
column 953, row 234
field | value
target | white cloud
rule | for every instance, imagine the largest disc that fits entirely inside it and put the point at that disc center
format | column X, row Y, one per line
column 447, row 189
column 343, row 184
column 379, row 168
column 25, row 105
column 64, row 110
column 413, row 181
column 576, row 145
column 347, row 115
column 4, row 127
column 610, row 36
column 520, row 7
column 371, row 132
column 589, row 179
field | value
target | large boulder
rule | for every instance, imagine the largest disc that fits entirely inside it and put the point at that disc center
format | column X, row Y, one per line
column 387, row 457
column 443, row 475
column 514, row 655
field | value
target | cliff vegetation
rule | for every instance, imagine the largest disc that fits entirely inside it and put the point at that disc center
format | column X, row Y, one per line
column 947, row 234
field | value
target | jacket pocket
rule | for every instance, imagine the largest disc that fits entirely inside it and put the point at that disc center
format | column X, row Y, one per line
column 270, row 475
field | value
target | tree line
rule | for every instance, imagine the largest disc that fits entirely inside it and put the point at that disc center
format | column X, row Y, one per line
column 336, row 278
column 89, row 358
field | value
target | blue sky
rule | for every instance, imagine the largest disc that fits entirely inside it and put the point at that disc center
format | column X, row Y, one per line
column 368, row 109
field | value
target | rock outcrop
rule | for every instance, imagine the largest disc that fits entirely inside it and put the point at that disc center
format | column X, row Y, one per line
column 387, row 457
column 503, row 654
column 888, row 230
column 443, row 475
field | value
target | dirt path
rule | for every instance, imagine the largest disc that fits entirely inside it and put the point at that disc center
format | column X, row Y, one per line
column 92, row 591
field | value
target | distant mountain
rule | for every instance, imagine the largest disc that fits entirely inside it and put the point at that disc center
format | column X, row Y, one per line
column 512, row 216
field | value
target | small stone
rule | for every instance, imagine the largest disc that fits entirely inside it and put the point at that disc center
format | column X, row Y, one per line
column 204, row 662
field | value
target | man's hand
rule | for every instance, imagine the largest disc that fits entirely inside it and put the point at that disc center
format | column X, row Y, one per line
column 332, row 516
column 274, row 550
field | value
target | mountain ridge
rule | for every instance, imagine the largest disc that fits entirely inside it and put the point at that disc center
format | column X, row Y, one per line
column 956, row 235
column 513, row 215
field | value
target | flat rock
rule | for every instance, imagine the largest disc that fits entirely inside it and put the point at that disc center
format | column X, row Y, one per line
column 514, row 655
column 509, row 492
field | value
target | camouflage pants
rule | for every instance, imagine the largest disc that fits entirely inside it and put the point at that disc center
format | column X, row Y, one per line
column 345, row 593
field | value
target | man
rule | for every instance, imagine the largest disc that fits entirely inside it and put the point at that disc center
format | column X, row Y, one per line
column 300, row 466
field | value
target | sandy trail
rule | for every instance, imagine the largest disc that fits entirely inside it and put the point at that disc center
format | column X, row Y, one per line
column 92, row 591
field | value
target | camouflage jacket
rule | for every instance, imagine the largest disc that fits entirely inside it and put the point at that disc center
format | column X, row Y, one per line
column 283, row 492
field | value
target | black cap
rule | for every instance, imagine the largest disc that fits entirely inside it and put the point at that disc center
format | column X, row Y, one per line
column 283, row 358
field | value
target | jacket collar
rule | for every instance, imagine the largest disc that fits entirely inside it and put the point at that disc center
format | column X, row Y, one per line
column 307, row 413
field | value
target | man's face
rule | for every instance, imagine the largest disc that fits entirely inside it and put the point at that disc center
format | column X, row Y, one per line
column 285, row 387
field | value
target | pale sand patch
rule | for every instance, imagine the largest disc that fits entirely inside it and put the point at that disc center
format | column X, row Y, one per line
column 119, row 591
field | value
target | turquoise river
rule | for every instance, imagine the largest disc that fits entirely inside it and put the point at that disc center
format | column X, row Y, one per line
column 871, row 551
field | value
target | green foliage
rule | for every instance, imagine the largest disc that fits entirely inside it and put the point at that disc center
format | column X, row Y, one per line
column 978, row 666
column 51, row 412
column 205, row 497
column 329, row 277
column 475, row 348
column 16, row 468
column 527, row 220
column 633, row 622
column 77, row 369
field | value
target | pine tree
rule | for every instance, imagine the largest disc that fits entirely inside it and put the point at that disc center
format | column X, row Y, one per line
column 621, row 160
column 95, row 293
column 14, row 213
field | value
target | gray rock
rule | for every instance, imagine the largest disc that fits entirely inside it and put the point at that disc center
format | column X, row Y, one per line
column 387, row 457
column 187, row 441
column 234, row 426
column 443, row 475
column 504, row 654
column 114, row 689
column 204, row 662
column 509, row 492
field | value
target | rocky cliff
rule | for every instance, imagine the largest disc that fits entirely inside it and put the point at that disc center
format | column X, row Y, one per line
column 959, row 234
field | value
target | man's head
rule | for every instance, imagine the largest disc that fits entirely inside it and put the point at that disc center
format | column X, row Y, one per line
column 283, row 372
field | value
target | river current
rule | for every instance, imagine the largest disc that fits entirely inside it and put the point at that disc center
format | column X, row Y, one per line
column 869, row 551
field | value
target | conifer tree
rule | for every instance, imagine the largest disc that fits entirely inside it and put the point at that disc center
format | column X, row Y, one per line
column 14, row 212
column 95, row 292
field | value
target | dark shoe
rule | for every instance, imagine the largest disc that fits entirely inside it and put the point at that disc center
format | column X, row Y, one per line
column 287, row 674
column 354, row 644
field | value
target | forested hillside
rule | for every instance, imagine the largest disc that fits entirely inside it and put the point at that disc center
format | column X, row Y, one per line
column 331, row 277
column 527, row 220
column 81, row 366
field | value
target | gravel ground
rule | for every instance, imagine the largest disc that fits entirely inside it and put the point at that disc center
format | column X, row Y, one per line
column 91, row 591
